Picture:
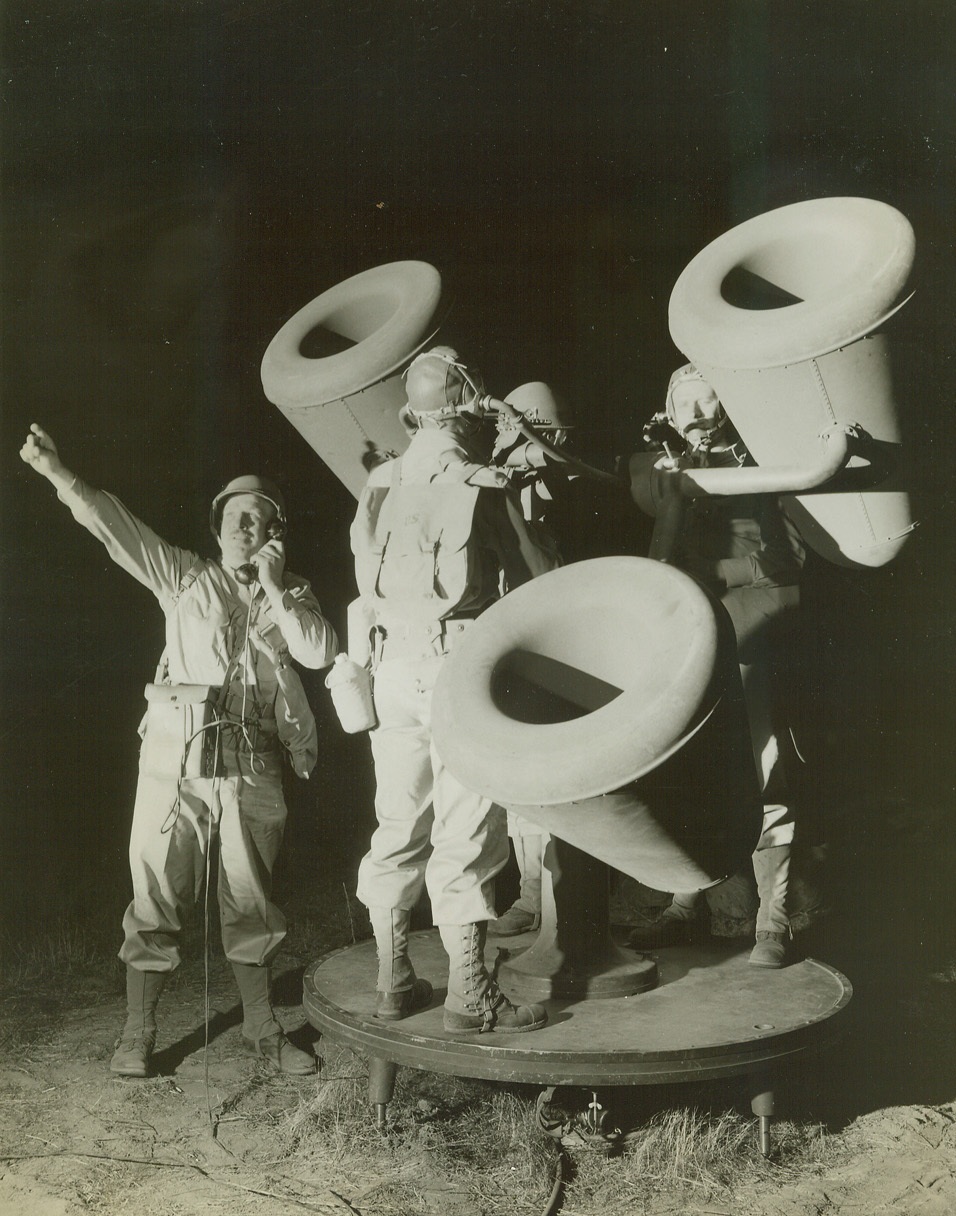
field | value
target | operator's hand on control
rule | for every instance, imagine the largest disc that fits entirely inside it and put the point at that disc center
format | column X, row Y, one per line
column 666, row 479
column 39, row 452
column 271, row 562
column 673, row 464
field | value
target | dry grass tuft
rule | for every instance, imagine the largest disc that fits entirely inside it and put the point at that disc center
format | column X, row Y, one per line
column 456, row 1145
column 694, row 1157
column 449, row 1143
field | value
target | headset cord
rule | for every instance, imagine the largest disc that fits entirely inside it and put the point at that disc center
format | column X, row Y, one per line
column 173, row 815
column 248, row 661
column 215, row 814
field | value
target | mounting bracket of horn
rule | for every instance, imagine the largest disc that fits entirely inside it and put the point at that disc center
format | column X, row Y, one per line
column 492, row 405
column 670, row 487
column 768, row 479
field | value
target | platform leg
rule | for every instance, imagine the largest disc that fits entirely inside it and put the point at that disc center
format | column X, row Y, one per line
column 381, row 1087
column 762, row 1106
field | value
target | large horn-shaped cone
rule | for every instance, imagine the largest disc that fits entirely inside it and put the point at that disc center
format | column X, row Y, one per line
column 780, row 315
column 333, row 368
column 603, row 701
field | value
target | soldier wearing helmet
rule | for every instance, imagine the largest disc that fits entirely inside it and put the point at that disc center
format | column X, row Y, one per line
column 225, row 705
column 534, row 474
column 748, row 552
column 538, row 481
column 437, row 535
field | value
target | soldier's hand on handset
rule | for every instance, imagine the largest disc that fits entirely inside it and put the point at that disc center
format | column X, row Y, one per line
column 39, row 451
column 271, row 562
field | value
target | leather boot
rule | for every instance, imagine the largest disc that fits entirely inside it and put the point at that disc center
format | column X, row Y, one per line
column 677, row 925
column 474, row 1001
column 524, row 915
column 133, row 1051
column 261, row 1033
column 399, row 990
column 772, row 872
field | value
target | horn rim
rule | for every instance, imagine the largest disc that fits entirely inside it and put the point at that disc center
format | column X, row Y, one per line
column 413, row 290
column 633, row 734
column 707, row 328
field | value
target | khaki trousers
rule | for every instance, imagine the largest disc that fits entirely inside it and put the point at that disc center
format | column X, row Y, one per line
column 432, row 833
column 167, row 856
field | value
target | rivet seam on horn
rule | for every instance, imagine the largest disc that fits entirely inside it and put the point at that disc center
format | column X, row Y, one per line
column 821, row 389
column 866, row 515
column 361, row 429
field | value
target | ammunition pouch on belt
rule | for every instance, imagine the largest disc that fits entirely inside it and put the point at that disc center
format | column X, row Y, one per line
column 182, row 731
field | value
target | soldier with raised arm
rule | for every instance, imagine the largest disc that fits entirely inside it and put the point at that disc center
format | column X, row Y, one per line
column 225, row 706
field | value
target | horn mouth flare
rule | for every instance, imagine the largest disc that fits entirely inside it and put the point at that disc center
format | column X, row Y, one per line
column 579, row 681
column 781, row 317
column 792, row 284
column 603, row 702
column 382, row 314
column 333, row 368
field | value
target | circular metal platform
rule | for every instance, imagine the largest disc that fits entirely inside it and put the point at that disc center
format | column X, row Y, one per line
column 712, row 1015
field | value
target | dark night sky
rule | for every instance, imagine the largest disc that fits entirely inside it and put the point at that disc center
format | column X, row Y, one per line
column 179, row 178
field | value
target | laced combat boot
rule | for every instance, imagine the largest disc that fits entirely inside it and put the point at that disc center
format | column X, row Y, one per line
column 677, row 925
column 400, row 992
column 524, row 915
column 135, row 1047
column 474, row 1001
column 261, row 1033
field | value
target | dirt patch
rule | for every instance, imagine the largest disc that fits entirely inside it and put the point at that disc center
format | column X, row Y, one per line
column 89, row 1141
column 901, row 1161
column 76, row 1139
column 869, row 1127
column 213, row 1130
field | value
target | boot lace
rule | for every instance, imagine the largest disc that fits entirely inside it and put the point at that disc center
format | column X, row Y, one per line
column 491, row 1001
column 483, row 994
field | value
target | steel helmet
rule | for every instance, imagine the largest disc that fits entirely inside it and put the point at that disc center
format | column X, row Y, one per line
column 541, row 408
column 247, row 484
column 440, row 385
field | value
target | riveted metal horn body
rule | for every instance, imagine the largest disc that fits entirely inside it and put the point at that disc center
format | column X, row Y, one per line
column 784, row 316
column 334, row 368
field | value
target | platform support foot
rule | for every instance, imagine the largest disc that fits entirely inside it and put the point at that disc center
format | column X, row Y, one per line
column 762, row 1106
column 381, row 1087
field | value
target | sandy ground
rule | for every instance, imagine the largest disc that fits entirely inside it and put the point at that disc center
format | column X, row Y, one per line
column 76, row 1139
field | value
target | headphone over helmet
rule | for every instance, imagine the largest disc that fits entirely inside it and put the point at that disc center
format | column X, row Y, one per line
column 540, row 407
column 439, row 385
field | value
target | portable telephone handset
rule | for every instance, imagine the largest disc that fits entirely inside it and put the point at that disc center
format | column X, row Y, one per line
column 249, row 573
